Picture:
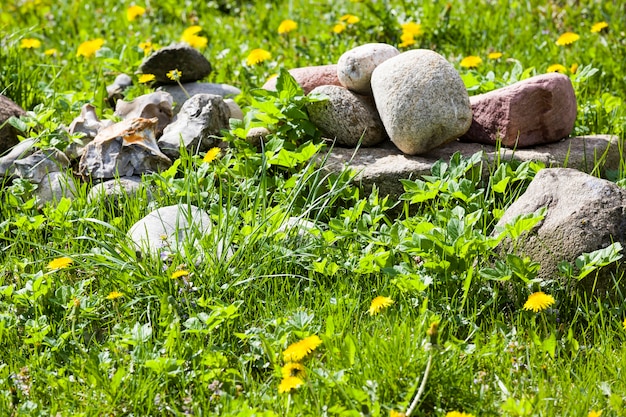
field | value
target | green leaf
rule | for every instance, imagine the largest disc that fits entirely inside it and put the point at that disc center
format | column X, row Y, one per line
column 286, row 86
column 590, row 262
column 549, row 345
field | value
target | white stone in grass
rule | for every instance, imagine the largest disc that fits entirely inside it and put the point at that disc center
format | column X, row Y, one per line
column 355, row 67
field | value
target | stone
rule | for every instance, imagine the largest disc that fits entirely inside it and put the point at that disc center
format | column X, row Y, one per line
column 421, row 99
column 385, row 165
column 40, row 163
column 179, row 96
column 21, row 150
column 89, row 125
column 147, row 106
column 355, row 67
column 55, row 186
column 257, row 135
column 8, row 134
column 169, row 230
column 309, row 77
column 235, row 110
column 115, row 90
column 179, row 56
column 197, row 126
column 346, row 117
column 535, row 111
column 583, row 214
column 125, row 149
column 115, row 190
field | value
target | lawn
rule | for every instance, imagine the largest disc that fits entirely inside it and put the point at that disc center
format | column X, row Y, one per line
column 383, row 307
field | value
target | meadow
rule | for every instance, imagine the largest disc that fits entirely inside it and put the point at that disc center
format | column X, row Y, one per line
column 386, row 307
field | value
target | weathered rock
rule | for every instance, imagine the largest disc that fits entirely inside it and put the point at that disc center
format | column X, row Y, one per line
column 114, row 190
column 421, row 100
column 125, row 149
column 168, row 230
column 179, row 56
column 8, row 134
column 535, row 111
column 235, row 110
column 584, row 214
column 309, row 77
column 179, row 96
column 355, row 67
column 115, row 90
column 346, row 117
column 385, row 165
column 21, row 150
column 197, row 125
column 257, row 135
column 54, row 186
column 41, row 163
column 89, row 125
column 157, row 104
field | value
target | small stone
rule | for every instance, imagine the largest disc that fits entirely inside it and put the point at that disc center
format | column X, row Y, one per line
column 114, row 190
column 179, row 96
column 41, row 163
column 355, row 67
column 115, row 90
column 346, row 117
column 89, row 125
column 55, row 186
column 8, row 134
column 235, row 110
column 422, row 100
column 21, row 150
column 257, row 135
column 147, row 106
column 535, row 111
column 179, row 56
column 309, row 77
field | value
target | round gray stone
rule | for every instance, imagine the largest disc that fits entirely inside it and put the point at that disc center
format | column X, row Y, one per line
column 355, row 67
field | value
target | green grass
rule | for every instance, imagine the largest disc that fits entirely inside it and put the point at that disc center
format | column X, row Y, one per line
column 210, row 342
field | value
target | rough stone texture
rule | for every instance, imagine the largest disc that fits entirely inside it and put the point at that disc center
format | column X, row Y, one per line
column 309, row 77
column 39, row 164
column 386, row 165
column 113, row 191
column 125, row 149
column 421, row 100
column 584, row 214
column 89, row 125
column 8, row 134
column 179, row 96
column 355, row 67
column 55, row 186
column 19, row 151
column 157, row 104
column 169, row 229
column 200, row 120
column 346, row 117
column 535, row 111
column 189, row 61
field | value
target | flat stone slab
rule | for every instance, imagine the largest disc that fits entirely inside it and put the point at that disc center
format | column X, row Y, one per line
column 385, row 165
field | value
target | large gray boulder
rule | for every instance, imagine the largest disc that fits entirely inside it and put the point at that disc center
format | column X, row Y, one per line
column 421, row 100
column 535, row 111
column 583, row 214
column 197, row 125
column 179, row 56
column 355, row 66
column 346, row 117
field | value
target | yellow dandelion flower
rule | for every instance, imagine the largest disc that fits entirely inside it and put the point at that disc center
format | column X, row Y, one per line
column 190, row 36
column 211, row 155
column 567, row 38
column 413, row 28
column 289, row 384
column 287, row 26
column 146, row 47
column 594, row 413
column 30, row 43
column 339, row 27
column 292, row 369
column 179, row 273
column 538, row 301
column 378, row 304
column 174, row 74
column 471, row 61
column 494, row 55
column 256, row 56
column 394, row 413
column 557, row 68
column 90, row 47
column 350, row 19
column 146, row 78
column 458, row 414
column 60, row 263
column 624, row 324
column 407, row 39
column 295, row 352
column 598, row 27
column 51, row 52
column 114, row 295
column 573, row 68
column 133, row 12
